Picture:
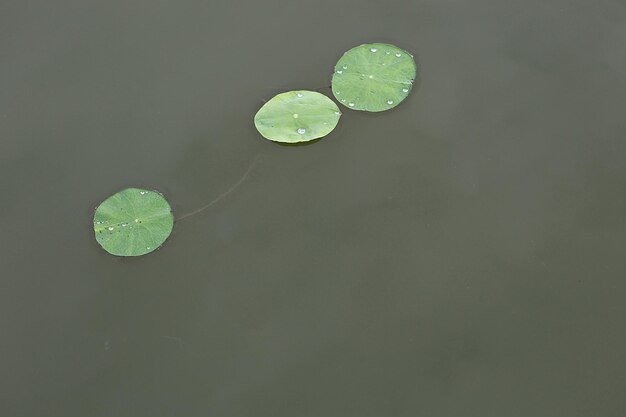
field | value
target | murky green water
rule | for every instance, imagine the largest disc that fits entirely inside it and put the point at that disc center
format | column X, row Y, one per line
column 461, row 255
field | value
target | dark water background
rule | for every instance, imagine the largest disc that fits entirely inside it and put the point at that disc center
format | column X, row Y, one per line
column 461, row 255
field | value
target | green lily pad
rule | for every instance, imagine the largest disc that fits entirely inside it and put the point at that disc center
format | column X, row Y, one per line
column 133, row 222
column 374, row 77
column 297, row 116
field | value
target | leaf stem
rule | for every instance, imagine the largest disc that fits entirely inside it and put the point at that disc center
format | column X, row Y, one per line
column 224, row 194
column 326, row 87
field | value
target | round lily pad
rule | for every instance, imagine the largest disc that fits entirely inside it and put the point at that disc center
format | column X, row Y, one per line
column 133, row 222
column 374, row 77
column 297, row 116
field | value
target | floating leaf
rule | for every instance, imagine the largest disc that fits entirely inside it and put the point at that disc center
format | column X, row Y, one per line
column 297, row 116
column 133, row 222
column 373, row 77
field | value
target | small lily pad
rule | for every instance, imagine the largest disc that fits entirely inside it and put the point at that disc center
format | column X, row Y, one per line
column 133, row 222
column 374, row 77
column 297, row 116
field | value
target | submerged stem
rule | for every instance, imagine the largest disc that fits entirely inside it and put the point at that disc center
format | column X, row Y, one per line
column 225, row 193
column 326, row 87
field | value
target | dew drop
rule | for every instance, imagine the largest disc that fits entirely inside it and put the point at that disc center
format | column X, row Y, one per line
column 136, row 220
column 345, row 67
column 373, row 49
column 389, row 101
column 351, row 104
column 110, row 228
column 142, row 192
column 406, row 90
column 340, row 72
column 295, row 115
column 343, row 100
column 148, row 248
column 299, row 94
column 370, row 77
column 124, row 224
column 301, row 131
column 398, row 54
column 337, row 113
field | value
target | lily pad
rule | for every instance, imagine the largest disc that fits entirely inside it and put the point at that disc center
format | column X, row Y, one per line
column 374, row 77
column 297, row 116
column 133, row 222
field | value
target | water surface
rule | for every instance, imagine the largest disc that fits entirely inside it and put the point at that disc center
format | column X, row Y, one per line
column 460, row 255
